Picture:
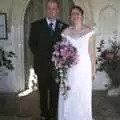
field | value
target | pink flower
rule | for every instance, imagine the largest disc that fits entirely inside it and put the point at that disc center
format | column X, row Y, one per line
column 64, row 55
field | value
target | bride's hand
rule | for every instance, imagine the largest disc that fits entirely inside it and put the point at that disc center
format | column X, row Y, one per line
column 94, row 76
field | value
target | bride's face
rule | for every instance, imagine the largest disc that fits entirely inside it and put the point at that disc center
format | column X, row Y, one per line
column 76, row 16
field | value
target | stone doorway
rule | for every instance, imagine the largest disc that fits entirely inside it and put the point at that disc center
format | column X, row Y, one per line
column 35, row 11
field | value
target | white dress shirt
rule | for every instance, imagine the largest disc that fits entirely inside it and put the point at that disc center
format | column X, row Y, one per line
column 53, row 21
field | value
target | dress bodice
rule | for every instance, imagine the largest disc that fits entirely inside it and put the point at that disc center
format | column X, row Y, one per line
column 79, row 42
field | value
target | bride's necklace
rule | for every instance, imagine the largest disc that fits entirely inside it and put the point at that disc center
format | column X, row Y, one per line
column 77, row 31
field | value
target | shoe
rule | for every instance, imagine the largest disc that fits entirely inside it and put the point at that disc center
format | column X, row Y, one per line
column 51, row 119
column 43, row 118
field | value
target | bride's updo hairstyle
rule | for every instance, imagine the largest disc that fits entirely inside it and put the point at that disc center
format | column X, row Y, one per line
column 78, row 8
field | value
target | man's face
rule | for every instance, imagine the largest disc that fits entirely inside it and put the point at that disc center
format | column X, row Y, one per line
column 52, row 10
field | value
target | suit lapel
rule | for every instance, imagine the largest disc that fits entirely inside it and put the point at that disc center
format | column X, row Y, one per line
column 45, row 23
column 57, row 29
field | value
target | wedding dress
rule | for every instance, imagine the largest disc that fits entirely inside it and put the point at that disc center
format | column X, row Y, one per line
column 77, row 106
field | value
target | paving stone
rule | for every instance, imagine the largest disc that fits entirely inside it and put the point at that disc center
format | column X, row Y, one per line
column 113, row 118
column 14, row 118
column 28, row 108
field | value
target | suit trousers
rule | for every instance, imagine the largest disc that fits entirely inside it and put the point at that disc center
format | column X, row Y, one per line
column 48, row 96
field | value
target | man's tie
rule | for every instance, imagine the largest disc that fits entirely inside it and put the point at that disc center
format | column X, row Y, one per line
column 51, row 28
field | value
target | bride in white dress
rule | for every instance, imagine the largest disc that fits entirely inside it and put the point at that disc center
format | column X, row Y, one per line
column 77, row 106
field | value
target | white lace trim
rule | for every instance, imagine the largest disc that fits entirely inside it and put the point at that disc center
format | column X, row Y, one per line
column 64, row 36
column 78, row 34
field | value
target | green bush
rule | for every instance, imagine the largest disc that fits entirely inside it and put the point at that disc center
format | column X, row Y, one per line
column 109, row 61
column 6, row 59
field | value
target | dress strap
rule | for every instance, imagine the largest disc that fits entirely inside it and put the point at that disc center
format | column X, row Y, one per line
column 91, row 33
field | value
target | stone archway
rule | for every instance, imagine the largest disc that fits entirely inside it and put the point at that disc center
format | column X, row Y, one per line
column 34, row 11
column 19, row 33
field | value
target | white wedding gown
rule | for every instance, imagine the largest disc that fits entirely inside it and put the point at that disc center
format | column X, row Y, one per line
column 77, row 106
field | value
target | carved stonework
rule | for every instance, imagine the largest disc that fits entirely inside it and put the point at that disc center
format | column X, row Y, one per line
column 91, row 8
column 108, row 20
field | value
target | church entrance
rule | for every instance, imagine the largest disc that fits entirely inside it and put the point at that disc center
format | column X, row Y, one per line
column 35, row 11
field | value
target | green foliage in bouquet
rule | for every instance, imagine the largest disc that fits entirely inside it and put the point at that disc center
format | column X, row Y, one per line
column 5, row 59
column 109, row 61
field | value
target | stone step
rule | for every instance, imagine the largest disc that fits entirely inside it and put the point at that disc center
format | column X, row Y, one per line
column 14, row 118
column 113, row 118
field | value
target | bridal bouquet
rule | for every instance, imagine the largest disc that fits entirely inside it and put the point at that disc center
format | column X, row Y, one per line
column 64, row 56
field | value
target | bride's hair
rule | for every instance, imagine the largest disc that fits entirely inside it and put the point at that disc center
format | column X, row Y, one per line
column 78, row 8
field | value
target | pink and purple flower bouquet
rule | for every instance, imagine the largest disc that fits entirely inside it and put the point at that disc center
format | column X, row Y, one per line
column 64, row 56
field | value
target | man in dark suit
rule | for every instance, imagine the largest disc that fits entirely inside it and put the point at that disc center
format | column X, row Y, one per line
column 43, row 35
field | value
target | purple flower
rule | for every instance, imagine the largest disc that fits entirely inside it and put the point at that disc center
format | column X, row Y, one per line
column 64, row 55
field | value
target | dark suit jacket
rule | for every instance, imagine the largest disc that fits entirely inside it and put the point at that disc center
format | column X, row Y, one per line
column 41, row 44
